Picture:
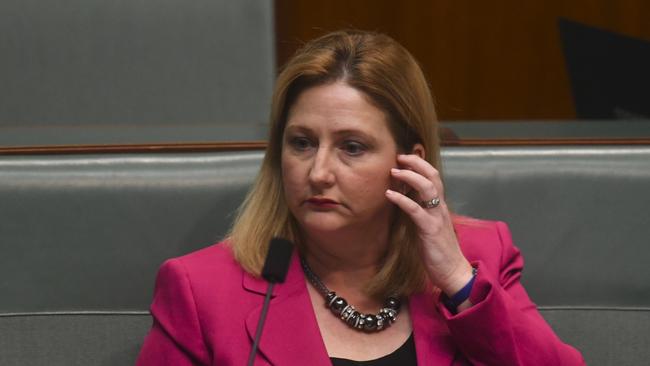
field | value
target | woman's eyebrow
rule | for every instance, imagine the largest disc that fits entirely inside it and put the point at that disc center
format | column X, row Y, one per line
column 357, row 132
column 297, row 128
column 294, row 128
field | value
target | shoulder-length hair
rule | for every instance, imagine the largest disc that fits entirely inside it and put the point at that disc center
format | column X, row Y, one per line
column 391, row 78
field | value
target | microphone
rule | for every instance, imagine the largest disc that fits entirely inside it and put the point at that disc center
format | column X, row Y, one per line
column 275, row 270
column 277, row 260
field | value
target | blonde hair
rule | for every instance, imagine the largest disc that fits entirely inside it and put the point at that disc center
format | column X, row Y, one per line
column 391, row 79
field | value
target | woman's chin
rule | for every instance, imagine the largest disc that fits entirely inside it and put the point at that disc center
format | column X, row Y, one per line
column 323, row 223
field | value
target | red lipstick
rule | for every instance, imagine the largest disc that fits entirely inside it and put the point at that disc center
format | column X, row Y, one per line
column 322, row 202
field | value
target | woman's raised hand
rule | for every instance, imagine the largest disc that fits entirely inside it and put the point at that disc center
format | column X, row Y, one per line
column 446, row 265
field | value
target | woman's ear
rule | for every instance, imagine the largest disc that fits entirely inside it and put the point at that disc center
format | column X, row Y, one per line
column 418, row 149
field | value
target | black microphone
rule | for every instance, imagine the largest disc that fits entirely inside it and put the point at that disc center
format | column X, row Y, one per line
column 274, row 271
column 277, row 260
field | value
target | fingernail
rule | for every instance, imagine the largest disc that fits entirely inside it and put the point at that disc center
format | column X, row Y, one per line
column 394, row 170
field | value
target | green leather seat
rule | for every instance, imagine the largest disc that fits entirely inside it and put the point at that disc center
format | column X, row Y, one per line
column 82, row 236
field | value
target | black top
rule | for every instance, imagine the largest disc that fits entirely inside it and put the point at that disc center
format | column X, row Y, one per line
column 403, row 356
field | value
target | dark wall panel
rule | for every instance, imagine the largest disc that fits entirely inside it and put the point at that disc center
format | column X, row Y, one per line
column 135, row 62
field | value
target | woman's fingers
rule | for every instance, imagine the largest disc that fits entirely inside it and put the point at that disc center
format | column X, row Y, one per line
column 422, row 167
column 425, row 188
column 412, row 208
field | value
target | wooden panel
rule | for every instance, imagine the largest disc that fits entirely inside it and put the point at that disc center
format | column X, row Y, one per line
column 261, row 145
column 484, row 59
column 133, row 148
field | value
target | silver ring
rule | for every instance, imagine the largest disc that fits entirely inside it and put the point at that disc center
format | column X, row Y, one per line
column 432, row 203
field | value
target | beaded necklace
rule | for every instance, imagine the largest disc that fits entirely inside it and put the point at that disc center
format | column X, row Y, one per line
column 340, row 307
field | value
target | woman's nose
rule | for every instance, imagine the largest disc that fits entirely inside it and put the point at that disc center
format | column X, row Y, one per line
column 321, row 172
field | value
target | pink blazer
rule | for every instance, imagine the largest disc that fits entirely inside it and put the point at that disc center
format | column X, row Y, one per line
column 205, row 312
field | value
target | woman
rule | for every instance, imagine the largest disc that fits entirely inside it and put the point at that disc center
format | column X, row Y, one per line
column 382, row 272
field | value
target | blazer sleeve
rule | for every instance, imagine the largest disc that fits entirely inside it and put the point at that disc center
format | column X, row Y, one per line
column 504, row 327
column 175, row 337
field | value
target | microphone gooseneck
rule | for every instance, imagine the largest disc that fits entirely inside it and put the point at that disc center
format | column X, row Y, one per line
column 275, row 270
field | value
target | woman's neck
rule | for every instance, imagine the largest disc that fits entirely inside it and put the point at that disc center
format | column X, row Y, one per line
column 346, row 263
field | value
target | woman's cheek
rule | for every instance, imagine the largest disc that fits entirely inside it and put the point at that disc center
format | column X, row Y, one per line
column 291, row 187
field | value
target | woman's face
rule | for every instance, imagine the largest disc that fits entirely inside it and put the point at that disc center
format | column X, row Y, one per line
column 337, row 152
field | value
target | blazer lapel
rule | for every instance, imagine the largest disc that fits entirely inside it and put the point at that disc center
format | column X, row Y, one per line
column 291, row 335
column 433, row 343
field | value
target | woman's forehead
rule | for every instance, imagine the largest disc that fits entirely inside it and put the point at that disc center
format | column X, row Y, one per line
column 337, row 108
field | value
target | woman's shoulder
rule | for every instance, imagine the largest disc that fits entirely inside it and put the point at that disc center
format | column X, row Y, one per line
column 473, row 227
column 212, row 262
column 219, row 251
column 483, row 239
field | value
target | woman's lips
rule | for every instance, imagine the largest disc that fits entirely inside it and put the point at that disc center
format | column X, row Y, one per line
column 322, row 202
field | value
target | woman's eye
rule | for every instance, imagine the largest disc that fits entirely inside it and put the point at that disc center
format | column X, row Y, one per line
column 300, row 143
column 353, row 148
